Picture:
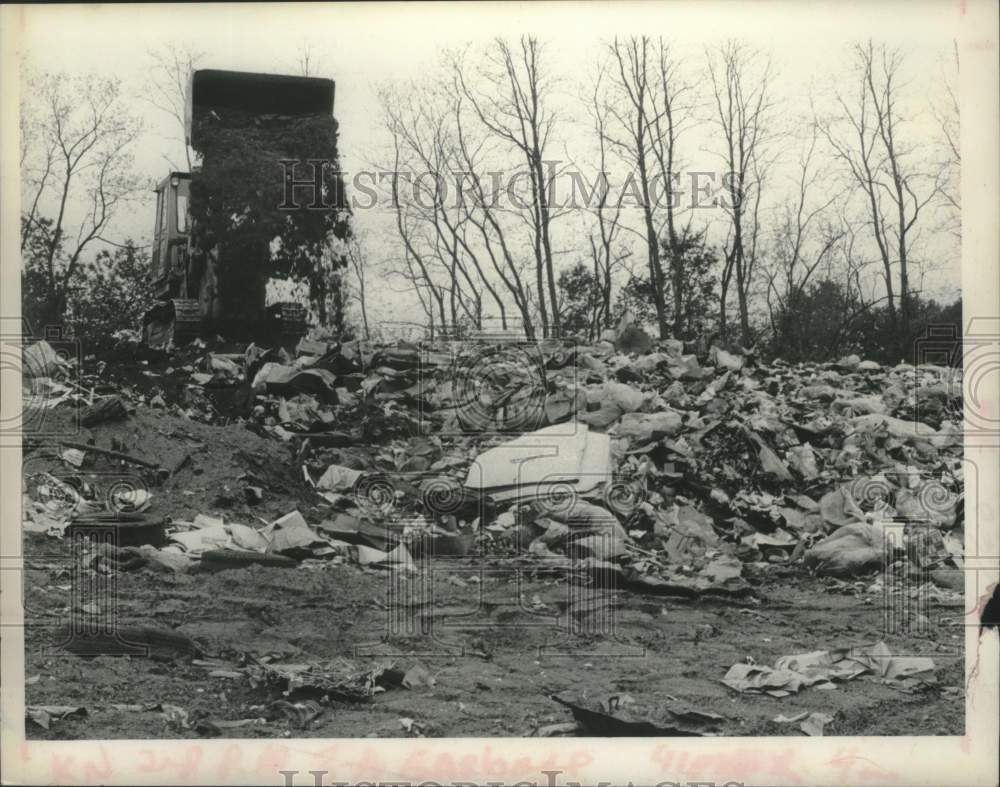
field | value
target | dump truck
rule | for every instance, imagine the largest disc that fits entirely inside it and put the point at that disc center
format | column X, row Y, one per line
column 193, row 296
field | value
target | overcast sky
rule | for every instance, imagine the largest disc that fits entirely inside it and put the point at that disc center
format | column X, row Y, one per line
column 362, row 47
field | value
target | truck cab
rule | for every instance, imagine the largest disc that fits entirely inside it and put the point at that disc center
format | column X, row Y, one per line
column 170, row 236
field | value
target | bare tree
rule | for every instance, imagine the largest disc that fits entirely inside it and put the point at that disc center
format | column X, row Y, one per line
column 414, row 281
column 430, row 218
column 741, row 87
column 358, row 264
column 606, row 252
column 851, row 266
column 167, row 88
column 480, row 206
column 675, row 112
column 308, row 61
column 457, row 236
column 866, row 137
column 631, row 64
column 633, row 106
column 802, row 242
column 509, row 94
column 417, row 268
column 947, row 117
column 39, row 158
column 83, row 134
column 645, row 104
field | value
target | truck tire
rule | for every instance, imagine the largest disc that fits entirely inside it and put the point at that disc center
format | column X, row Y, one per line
column 222, row 559
column 123, row 530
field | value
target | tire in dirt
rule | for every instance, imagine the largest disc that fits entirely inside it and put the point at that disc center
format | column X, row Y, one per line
column 223, row 559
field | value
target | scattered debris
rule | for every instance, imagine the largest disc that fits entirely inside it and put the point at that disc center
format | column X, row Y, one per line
column 45, row 715
column 338, row 679
column 564, row 729
column 624, row 716
column 40, row 360
column 814, row 723
column 411, row 727
column 637, row 467
column 848, row 551
column 821, row 668
column 301, row 714
column 418, row 676
column 809, row 723
column 109, row 409
column 135, row 460
column 543, row 463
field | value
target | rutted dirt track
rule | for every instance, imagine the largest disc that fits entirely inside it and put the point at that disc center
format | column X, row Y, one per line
column 663, row 648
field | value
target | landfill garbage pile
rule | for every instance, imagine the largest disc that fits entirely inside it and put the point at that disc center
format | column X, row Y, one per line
column 660, row 473
column 667, row 466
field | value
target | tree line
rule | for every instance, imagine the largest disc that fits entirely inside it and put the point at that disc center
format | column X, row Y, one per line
column 843, row 230
column 818, row 241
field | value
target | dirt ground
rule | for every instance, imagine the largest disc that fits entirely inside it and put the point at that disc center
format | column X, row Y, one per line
column 494, row 635
column 502, row 641
column 208, row 481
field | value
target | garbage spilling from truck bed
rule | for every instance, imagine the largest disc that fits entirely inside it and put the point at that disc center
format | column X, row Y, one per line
column 661, row 474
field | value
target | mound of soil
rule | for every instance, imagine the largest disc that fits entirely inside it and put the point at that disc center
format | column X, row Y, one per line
column 206, row 462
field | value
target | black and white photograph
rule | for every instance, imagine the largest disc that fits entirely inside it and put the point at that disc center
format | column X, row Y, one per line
column 501, row 371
